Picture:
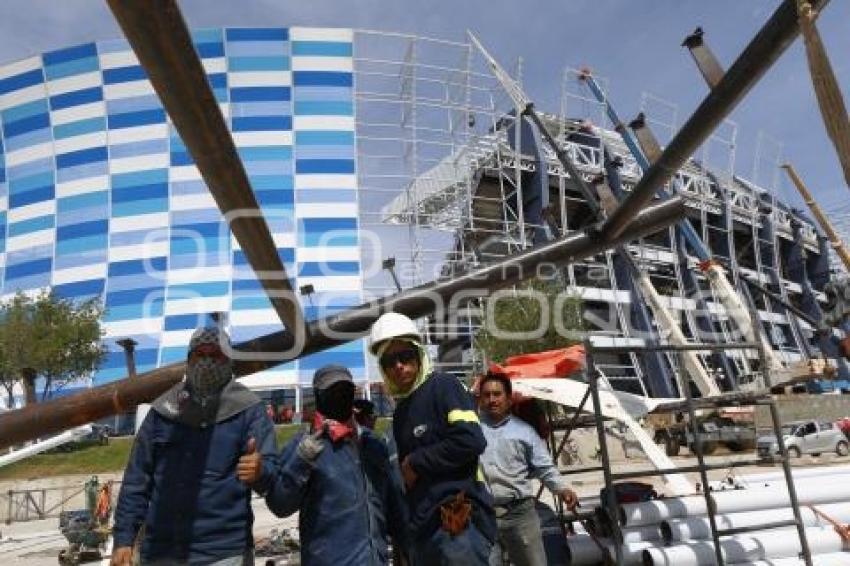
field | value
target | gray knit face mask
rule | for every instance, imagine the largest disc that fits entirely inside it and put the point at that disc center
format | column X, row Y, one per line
column 209, row 368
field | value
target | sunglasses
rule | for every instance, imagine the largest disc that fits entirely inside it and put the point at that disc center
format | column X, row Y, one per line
column 404, row 356
column 207, row 351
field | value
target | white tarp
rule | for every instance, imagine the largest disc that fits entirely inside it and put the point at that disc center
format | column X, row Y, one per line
column 623, row 407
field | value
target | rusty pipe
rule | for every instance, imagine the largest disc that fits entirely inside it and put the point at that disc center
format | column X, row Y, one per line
column 266, row 351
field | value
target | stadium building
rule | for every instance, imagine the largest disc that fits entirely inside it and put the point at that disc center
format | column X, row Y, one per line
column 379, row 160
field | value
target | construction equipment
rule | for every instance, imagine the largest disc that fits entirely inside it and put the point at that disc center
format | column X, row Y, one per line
column 160, row 38
column 831, row 103
column 713, row 271
column 668, row 326
column 87, row 530
column 827, row 227
column 707, row 502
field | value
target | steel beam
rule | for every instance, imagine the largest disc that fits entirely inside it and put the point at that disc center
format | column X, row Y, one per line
column 764, row 49
column 46, row 418
column 162, row 42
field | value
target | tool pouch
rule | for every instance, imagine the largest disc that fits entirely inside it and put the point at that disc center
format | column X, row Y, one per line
column 455, row 514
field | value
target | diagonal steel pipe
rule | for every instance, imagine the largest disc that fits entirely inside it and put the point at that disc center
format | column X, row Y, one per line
column 162, row 42
column 764, row 49
column 266, row 351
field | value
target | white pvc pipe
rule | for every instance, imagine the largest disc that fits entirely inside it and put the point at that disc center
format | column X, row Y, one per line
column 746, row 548
column 698, row 528
column 797, row 473
column 583, row 551
column 828, row 559
column 649, row 533
column 814, row 491
column 43, row 445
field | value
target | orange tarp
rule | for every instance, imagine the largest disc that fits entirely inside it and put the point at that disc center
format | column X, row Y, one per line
column 553, row 363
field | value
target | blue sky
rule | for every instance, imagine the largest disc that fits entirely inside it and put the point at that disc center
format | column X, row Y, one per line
column 634, row 44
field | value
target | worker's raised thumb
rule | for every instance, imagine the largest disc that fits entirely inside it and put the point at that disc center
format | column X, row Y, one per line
column 252, row 446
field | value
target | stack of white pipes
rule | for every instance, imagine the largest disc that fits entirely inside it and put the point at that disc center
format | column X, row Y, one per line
column 676, row 531
column 686, row 535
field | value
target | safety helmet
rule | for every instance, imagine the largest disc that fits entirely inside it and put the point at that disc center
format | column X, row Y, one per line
column 389, row 326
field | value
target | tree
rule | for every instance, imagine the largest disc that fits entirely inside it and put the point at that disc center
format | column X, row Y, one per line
column 50, row 338
column 519, row 312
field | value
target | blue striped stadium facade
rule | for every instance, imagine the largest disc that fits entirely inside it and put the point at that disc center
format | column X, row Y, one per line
column 100, row 198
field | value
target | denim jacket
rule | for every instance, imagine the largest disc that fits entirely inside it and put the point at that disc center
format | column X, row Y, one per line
column 180, row 482
column 348, row 501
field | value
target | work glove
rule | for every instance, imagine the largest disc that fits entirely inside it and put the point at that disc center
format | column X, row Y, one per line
column 311, row 445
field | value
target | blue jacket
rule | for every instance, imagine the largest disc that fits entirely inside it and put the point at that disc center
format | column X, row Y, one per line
column 347, row 499
column 437, row 427
column 181, row 484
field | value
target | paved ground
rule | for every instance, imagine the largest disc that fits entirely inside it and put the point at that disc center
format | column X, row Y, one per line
column 37, row 543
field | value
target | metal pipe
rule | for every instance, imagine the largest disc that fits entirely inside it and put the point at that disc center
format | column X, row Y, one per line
column 129, row 346
column 706, row 62
column 648, row 143
column 610, row 504
column 763, row 50
column 774, row 297
column 161, row 40
column 697, row 448
column 697, row 528
column 272, row 349
column 746, row 549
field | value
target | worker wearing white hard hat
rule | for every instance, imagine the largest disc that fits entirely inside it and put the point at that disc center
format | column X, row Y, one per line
column 439, row 441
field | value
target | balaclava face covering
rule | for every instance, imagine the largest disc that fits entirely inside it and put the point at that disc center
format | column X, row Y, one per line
column 336, row 402
column 207, row 376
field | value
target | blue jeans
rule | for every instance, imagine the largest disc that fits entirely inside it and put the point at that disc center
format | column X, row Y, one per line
column 519, row 536
column 470, row 548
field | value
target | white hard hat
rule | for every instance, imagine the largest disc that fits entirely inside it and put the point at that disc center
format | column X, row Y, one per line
column 389, row 326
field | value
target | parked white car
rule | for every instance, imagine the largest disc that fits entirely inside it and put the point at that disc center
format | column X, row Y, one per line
column 805, row 437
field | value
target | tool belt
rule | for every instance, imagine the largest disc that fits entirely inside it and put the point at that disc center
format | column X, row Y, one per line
column 455, row 514
column 503, row 509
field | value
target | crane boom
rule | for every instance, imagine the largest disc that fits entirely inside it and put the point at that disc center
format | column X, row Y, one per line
column 828, row 228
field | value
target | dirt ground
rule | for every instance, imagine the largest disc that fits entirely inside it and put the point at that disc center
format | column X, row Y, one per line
column 37, row 543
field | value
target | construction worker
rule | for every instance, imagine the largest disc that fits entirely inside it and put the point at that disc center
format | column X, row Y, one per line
column 340, row 482
column 183, row 483
column 439, row 441
column 515, row 454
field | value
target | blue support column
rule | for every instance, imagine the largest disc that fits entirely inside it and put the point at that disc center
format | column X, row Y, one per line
column 767, row 233
column 659, row 377
column 798, row 271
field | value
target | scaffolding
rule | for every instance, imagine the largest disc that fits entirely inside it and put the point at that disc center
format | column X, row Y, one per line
column 444, row 179
column 610, row 505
